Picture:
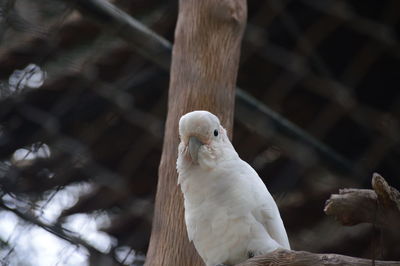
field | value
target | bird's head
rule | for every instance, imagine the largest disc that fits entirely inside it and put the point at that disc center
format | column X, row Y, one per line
column 201, row 135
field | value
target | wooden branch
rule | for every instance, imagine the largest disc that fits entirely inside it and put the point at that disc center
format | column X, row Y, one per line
column 303, row 258
column 205, row 61
column 55, row 229
column 352, row 206
column 63, row 233
column 380, row 206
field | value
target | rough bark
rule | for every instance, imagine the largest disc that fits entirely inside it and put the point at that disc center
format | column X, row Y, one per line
column 203, row 75
column 380, row 206
column 303, row 258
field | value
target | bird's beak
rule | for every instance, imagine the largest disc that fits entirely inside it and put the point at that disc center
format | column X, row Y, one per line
column 194, row 145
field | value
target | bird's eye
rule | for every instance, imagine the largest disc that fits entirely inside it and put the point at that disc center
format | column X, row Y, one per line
column 215, row 132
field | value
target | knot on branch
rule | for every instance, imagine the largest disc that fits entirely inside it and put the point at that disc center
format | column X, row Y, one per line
column 230, row 10
column 388, row 197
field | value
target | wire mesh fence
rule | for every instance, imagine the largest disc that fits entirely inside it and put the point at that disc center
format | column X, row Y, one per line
column 83, row 98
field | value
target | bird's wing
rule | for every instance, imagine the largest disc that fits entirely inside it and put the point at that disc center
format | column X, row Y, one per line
column 190, row 227
column 273, row 224
column 265, row 210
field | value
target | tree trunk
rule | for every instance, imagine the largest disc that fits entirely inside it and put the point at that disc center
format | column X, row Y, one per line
column 204, row 67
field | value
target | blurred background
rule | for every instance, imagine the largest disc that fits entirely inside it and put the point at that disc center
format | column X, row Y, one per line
column 83, row 101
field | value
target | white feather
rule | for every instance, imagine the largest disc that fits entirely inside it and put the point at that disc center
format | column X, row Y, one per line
column 229, row 212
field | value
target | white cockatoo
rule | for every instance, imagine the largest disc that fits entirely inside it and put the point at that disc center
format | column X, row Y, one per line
column 229, row 213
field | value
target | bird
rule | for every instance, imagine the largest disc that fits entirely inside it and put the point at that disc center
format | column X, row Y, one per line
column 229, row 213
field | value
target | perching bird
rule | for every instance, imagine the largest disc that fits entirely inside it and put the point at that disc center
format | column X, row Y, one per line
column 229, row 213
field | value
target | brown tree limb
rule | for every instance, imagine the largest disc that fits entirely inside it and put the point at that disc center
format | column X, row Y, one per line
column 205, row 61
column 380, row 206
column 55, row 229
column 304, row 258
column 353, row 206
column 63, row 233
